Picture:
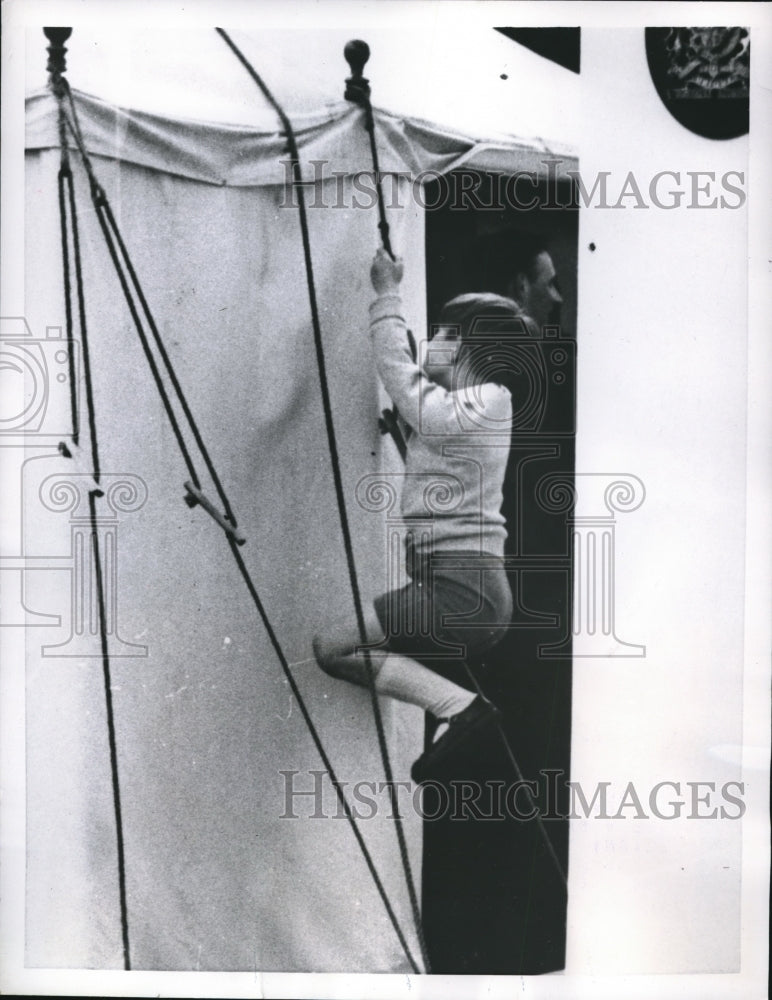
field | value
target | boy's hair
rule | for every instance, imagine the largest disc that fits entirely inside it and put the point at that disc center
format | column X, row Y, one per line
column 485, row 322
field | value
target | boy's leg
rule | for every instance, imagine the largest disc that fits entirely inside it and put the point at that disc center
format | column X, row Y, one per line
column 345, row 640
column 395, row 675
column 408, row 680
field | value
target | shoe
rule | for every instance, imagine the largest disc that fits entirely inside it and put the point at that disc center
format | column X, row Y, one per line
column 466, row 732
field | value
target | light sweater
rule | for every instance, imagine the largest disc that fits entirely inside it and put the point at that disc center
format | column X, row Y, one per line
column 458, row 449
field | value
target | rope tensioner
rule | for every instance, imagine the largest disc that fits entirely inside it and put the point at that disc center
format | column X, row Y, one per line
column 195, row 497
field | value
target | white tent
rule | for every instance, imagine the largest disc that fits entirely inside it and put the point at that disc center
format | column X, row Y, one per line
column 210, row 745
column 475, row 82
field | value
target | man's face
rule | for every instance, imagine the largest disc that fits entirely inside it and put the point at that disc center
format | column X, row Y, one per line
column 538, row 292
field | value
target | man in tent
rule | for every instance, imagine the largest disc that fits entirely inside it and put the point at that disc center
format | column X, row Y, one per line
column 520, row 266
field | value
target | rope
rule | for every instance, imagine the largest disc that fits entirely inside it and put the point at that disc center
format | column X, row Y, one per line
column 110, row 728
column 99, row 200
column 338, row 481
column 363, row 99
column 358, row 90
column 155, row 333
column 322, row 753
column 64, row 173
column 109, row 227
column 521, row 781
column 90, row 407
column 66, row 187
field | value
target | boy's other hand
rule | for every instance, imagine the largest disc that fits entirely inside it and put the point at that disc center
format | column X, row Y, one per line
column 385, row 273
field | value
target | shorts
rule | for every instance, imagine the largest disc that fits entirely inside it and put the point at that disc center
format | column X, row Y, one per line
column 456, row 606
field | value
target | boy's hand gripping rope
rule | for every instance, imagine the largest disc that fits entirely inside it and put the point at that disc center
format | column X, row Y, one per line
column 357, row 91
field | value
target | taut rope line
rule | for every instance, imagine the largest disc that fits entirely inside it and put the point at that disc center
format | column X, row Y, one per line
column 56, row 67
column 338, row 478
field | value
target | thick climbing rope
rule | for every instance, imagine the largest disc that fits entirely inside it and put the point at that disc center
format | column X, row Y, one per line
column 522, row 783
column 69, row 228
column 338, row 478
column 358, row 91
column 131, row 286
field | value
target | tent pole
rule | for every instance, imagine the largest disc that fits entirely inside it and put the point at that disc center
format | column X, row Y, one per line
column 357, row 90
column 57, row 53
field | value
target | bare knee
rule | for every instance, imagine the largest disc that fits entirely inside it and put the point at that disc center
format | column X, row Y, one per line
column 329, row 648
column 343, row 637
column 347, row 661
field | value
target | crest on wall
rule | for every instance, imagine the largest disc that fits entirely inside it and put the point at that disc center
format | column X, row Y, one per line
column 702, row 76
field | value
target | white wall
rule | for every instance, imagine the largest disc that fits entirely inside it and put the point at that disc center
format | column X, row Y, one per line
column 662, row 376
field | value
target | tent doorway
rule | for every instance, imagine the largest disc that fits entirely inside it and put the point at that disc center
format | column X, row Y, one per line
column 493, row 900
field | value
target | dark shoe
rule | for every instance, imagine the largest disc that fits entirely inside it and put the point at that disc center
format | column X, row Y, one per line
column 477, row 724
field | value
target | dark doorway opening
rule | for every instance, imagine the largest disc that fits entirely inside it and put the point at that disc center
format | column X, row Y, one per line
column 494, row 901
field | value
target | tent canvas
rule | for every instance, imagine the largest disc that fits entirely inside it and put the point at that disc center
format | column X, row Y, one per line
column 474, row 82
column 213, row 760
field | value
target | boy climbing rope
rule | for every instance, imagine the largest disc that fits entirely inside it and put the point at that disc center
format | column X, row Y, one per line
column 458, row 602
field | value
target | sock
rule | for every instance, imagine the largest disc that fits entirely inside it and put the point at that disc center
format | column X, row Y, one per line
column 440, row 731
column 407, row 680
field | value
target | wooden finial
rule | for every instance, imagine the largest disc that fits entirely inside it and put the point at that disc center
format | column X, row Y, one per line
column 357, row 86
column 57, row 61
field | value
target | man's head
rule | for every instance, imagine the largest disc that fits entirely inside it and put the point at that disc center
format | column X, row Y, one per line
column 520, row 266
column 535, row 287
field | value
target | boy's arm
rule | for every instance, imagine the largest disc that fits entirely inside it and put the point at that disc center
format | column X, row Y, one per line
column 427, row 406
column 424, row 404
